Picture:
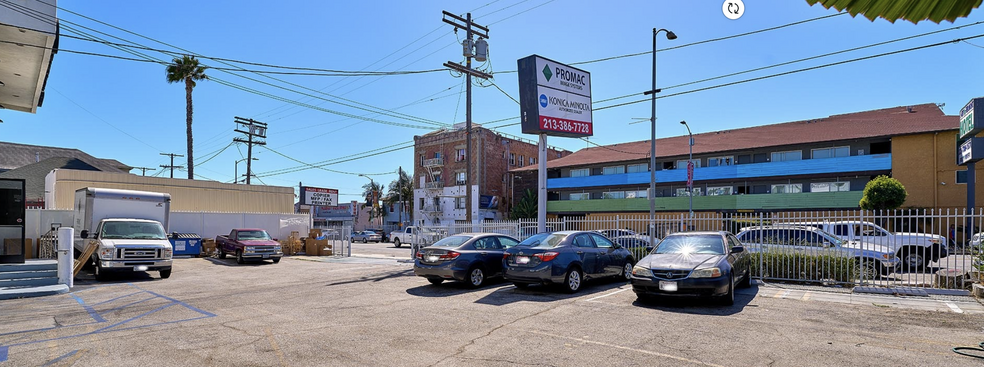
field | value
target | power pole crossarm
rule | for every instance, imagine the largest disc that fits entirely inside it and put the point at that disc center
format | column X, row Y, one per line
column 253, row 129
column 171, row 166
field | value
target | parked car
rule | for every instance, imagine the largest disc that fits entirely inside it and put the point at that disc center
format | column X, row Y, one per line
column 526, row 231
column 636, row 242
column 916, row 250
column 249, row 244
column 568, row 258
column 693, row 264
column 872, row 260
column 366, row 236
column 413, row 235
column 615, row 233
column 468, row 257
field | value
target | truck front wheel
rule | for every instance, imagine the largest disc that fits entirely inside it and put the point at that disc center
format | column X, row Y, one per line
column 239, row 257
column 165, row 273
column 99, row 272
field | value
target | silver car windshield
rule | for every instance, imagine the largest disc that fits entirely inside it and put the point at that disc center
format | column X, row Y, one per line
column 544, row 240
column 453, row 241
column 831, row 237
column 693, row 244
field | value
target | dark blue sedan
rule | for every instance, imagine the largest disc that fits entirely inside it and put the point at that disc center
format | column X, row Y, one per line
column 567, row 258
column 693, row 264
column 466, row 257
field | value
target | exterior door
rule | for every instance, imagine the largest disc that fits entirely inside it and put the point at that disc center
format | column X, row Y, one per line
column 12, row 211
column 586, row 250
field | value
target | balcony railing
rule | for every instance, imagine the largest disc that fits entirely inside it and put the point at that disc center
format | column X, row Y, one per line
column 434, row 162
column 805, row 200
column 843, row 165
column 434, row 185
column 431, row 209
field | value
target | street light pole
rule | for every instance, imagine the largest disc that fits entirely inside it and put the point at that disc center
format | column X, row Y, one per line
column 652, row 142
column 372, row 196
column 690, row 161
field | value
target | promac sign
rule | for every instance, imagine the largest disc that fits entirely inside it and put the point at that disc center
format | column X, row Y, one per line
column 317, row 196
column 554, row 99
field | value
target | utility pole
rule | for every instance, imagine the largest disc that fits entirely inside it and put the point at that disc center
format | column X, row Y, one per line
column 143, row 170
column 479, row 51
column 172, row 166
column 253, row 129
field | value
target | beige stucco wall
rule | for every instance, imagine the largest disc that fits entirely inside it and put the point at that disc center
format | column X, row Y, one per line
column 186, row 195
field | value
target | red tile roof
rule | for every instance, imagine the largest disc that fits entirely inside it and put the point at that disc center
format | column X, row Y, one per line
column 885, row 122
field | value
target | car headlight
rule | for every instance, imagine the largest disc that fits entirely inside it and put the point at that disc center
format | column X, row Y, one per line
column 706, row 273
column 935, row 241
column 168, row 253
column 888, row 256
column 106, row 253
column 642, row 272
column 250, row 249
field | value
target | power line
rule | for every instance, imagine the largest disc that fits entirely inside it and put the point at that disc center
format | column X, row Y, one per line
column 342, row 161
column 794, row 71
column 332, row 161
column 326, row 169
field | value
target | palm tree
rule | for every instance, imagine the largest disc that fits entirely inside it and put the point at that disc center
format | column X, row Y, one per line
column 525, row 207
column 371, row 191
column 401, row 191
column 187, row 70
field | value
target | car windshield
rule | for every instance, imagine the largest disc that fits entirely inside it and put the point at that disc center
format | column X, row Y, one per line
column 453, row 241
column 544, row 240
column 831, row 237
column 253, row 235
column 692, row 244
column 133, row 230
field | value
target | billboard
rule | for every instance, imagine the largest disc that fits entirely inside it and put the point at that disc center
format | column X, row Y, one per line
column 318, row 196
column 488, row 202
column 554, row 99
column 970, row 151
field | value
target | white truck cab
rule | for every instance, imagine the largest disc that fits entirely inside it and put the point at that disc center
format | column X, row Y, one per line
column 128, row 229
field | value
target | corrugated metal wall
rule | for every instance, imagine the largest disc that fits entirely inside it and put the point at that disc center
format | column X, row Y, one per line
column 186, row 195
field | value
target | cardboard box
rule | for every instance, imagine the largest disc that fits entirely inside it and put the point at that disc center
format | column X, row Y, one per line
column 311, row 247
column 208, row 246
column 12, row 246
column 31, row 251
column 315, row 232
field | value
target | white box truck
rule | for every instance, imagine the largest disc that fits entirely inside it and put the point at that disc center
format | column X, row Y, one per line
column 128, row 228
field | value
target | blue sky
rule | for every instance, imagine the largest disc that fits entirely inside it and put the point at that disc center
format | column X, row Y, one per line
column 125, row 110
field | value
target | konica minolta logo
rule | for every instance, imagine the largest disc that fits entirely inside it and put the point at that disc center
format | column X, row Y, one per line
column 543, row 100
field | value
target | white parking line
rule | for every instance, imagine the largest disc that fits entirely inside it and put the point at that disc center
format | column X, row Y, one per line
column 781, row 294
column 953, row 306
column 643, row 351
column 609, row 294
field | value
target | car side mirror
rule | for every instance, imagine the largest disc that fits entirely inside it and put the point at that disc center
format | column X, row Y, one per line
column 737, row 250
column 84, row 233
column 616, row 245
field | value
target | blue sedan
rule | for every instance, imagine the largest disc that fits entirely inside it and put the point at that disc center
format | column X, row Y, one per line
column 466, row 257
column 567, row 258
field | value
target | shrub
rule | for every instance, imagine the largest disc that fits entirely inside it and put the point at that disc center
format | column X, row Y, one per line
column 883, row 193
column 796, row 266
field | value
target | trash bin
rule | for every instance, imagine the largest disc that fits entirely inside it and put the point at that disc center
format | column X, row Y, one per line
column 186, row 244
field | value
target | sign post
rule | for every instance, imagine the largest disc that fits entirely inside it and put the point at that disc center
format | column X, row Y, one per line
column 554, row 99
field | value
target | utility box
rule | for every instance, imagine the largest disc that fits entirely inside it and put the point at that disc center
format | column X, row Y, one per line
column 186, row 244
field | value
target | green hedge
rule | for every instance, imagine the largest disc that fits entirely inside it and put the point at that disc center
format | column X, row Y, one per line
column 778, row 265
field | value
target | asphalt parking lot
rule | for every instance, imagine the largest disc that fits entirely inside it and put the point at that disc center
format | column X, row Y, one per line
column 372, row 311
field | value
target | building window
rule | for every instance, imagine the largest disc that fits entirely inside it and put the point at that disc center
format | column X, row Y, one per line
column 512, row 159
column 636, row 194
column 613, row 170
column 834, row 152
column 720, row 161
column 961, row 177
column 532, row 161
column 580, row 196
column 460, row 178
column 437, row 154
column 421, row 160
column 682, row 164
column 720, row 190
column 792, row 155
column 684, row 192
column 613, row 195
column 830, row 186
column 581, row 172
column 460, row 156
column 459, row 203
column 521, row 160
column 633, row 168
column 787, row 189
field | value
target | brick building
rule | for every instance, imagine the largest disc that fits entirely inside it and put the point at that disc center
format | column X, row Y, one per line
column 439, row 174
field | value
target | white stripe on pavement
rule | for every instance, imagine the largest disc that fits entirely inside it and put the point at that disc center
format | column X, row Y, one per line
column 609, row 294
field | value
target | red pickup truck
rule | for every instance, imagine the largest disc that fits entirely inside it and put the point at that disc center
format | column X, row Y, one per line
column 249, row 244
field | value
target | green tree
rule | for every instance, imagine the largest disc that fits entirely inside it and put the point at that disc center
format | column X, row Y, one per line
column 526, row 207
column 401, row 191
column 911, row 10
column 187, row 70
column 372, row 191
column 883, row 193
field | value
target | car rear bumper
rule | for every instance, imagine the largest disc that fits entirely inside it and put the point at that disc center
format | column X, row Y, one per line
column 685, row 287
column 442, row 271
column 540, row 274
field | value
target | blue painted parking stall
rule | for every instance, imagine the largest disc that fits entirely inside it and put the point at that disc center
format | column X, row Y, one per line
column 110, row 308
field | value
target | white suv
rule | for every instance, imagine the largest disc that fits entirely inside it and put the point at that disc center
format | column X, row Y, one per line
column 916, row 250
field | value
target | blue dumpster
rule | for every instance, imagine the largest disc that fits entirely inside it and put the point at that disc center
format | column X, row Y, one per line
column 186, row 244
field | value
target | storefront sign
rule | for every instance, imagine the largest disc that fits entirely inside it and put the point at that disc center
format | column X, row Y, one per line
column 972, row 118
column 318, row 196
column 555, row 99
